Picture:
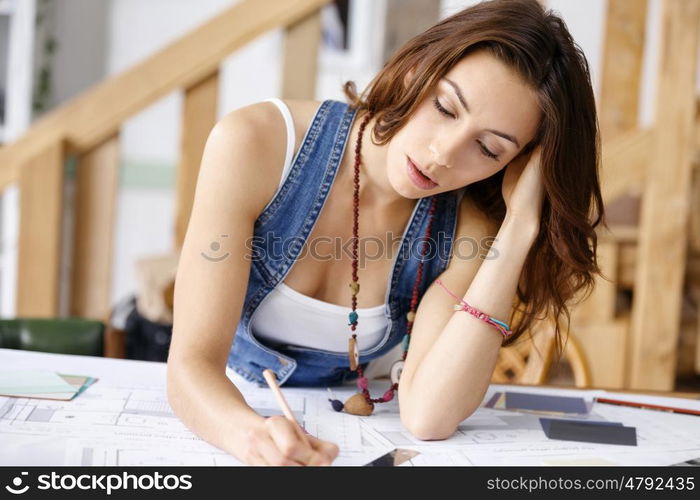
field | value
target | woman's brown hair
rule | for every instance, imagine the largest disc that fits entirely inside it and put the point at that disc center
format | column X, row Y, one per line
column 536, row 44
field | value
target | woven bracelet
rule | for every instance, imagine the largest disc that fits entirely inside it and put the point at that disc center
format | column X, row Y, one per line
column 463, row 306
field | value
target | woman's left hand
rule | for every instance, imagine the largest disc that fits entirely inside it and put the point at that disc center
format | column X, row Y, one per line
column 522, row 188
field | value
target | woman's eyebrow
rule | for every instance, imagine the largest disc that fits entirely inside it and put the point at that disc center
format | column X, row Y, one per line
column 466, row 108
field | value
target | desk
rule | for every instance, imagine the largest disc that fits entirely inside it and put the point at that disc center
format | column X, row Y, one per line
column 124, row 419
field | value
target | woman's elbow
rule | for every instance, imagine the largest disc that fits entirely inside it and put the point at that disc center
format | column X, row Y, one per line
column 171, row 389
column 431, row 428
column 174, row 376
column 427, row 430
column 427, row 433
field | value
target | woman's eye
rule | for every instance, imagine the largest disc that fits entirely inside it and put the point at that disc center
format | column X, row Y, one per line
column 442, row 110
column 485, row 151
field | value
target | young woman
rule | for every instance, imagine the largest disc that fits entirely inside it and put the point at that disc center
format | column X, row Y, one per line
column 474, row 151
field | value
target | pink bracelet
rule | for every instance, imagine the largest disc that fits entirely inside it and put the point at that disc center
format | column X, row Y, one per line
column 463, row 306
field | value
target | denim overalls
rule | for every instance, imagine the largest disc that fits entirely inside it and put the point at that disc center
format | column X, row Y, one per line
column 290, row 217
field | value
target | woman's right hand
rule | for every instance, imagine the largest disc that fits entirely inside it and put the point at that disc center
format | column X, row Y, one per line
column 277, row 441
column 523, row 188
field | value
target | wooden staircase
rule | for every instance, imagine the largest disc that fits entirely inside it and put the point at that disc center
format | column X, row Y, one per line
column 631, row 325
column 87, row 129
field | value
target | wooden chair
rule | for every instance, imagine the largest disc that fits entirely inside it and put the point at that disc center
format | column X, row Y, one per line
column 529, row 361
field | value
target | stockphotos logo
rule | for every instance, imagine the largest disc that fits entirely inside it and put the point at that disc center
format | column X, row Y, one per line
column 16, row 488
column 104, row 482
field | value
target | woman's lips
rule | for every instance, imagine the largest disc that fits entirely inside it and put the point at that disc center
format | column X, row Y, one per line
column 417, row 177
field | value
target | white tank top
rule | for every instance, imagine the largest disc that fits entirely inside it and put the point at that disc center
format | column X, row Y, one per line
column 288, row 317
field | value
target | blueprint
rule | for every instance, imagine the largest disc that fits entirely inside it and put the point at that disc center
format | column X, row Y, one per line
column 119, row 425
column 123, row 421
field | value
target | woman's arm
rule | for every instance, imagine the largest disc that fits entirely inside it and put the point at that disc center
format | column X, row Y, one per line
column 209, row 294
column 451, row 362
column 233, row 185
column 448, row 380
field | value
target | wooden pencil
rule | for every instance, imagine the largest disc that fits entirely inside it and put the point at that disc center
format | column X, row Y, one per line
column 646, row 406
column 282, row 402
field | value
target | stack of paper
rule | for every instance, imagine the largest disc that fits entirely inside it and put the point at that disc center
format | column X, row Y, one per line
column 42, row 384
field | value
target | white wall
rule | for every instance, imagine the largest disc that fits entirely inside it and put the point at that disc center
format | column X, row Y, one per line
column 80, row 59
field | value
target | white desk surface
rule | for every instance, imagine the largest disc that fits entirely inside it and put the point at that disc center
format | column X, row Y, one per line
column 124, row 419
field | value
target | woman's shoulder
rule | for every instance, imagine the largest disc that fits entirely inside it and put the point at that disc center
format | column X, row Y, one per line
column 303, row 112
column 265, row 119
column 263, row 128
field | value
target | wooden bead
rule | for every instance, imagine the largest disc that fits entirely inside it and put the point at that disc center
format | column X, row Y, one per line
column 396, row 370
column 355, row 286
column 358, row 405
column 353, row 353
column 411, row 316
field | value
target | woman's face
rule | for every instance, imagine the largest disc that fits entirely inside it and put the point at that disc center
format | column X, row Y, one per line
column 476, row 120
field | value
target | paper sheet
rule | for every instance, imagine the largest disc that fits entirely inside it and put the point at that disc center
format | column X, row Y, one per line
column 24, row 381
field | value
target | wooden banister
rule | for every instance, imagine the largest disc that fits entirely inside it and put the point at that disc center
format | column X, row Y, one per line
column 665, row 212
column 299, row 71
column 625, row 155
column 95, row 206
column 97, row 114
column 625, row 159
column 623, row 56
column 88, row 126
column 41, row 230
column 198, row 118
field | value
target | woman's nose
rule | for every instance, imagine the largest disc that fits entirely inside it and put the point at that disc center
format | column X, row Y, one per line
column 438, row 157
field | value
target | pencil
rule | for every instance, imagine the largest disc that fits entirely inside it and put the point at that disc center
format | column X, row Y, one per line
column 282, row 402
column 646, row 406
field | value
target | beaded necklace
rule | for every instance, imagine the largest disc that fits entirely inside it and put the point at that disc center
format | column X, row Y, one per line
column 362, row 403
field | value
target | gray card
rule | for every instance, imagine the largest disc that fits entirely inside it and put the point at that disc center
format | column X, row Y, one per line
column 540, row 402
